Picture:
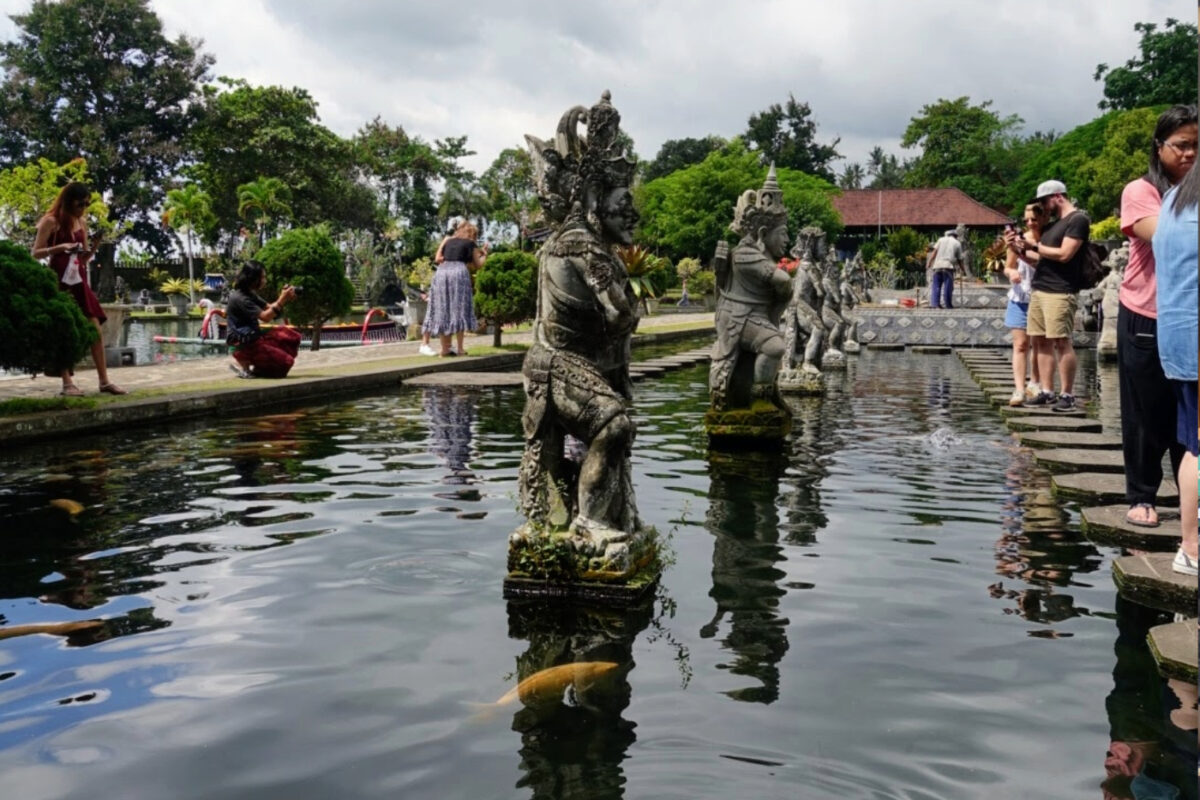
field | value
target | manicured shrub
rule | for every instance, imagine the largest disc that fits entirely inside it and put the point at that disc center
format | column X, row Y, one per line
column 506, row 290
column 308, row 259
column 41, row 328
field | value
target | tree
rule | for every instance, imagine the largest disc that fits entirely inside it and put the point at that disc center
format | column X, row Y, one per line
column 1163, row 73
column 505, row 290
column 262, row 201
column 99, row 80
column 1124, row 156
column 26, row 192
column 687, row 212
column 851, row 177
column 41, row 328
column 786, row 136
column 187, row 210
column 675, row 154
column 308, row 259
column 511, row 187
column 885, row 170
column 969, row 147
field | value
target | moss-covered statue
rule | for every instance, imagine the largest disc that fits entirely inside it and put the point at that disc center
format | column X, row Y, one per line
column 576, row 487
column 752, row 293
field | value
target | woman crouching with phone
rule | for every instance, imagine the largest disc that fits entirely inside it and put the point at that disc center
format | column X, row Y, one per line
column 258, row 353
column 62, row 237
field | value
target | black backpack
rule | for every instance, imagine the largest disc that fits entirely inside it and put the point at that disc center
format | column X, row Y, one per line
column 1091, row 268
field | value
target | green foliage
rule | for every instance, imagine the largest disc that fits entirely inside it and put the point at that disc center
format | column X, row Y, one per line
column 505, row 289
column 264, row 201
column 510, row 188
column 675, row 154
column 885, row 169
column 27, row 190
column 1107, row 228
column 702, row 283
column 685, row 268
column 17, row 406
column 99, row 80
column 308, row 259
column 41, row 328
column 420, row 272
column 548, row 556
column 1124, row 157
column 690, row 210
column 639, row 263
column 883, row 269
column 1163, row 72
column 786, row 136
column 906, row 247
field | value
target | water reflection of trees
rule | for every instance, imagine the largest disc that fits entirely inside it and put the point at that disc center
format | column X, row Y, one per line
column 573, row 745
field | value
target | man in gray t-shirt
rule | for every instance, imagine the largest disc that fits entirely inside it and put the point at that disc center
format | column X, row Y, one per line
column 947, row 255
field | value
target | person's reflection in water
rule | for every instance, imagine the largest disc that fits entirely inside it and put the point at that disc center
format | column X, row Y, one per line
column 573, row 743
column 744, row 521
column 451, row 414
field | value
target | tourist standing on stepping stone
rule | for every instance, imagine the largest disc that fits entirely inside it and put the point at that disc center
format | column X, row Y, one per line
column 1020, row 273
column 1175, row 256
column 1058, row 261
column 947, row 256
column 451, row 297
column 1147, row 398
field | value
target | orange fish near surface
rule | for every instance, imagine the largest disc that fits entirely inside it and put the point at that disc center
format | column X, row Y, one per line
column 72, row 507
column 551, row 682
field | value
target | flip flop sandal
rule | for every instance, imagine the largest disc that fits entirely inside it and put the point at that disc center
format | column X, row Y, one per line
column 71, row 391
column 1142, row 523
column 112, row 388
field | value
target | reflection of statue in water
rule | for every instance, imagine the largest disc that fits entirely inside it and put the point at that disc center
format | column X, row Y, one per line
column 573, row 742
column 752, row 293
column 450, row 412
column 745, row 525
column 577, row 369
column 803, row 329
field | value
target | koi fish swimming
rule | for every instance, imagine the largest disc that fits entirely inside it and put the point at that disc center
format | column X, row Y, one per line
column 72, row 507
column 551, row 682
column 52, row 628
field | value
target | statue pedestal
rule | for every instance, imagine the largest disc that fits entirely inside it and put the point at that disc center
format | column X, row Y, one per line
column 833, row 359
column 795, row 381
column 851, row 347
column 762, row 422
column 620, row 569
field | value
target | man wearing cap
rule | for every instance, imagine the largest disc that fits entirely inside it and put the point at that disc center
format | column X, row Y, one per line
column 946, row 256
column 1057, row 260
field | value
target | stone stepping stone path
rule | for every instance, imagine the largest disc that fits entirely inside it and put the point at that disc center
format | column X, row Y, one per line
column 1174, row 649
column 1106, row 525
column 929, row 349
column 1149, row 581
column 1078, row 459
column 1075, row 439
column 1034, row 411
column 886, row 347
column 1054, row 422
column 640, row 370
column 1107, row 487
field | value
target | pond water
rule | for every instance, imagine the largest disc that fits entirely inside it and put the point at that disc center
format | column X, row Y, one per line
column 307, row 604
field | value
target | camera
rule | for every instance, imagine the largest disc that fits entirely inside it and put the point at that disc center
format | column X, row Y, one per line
column 299, row 290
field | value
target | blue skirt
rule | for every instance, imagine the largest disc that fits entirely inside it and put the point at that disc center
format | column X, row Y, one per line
column 451, row 301
column 1016, row 314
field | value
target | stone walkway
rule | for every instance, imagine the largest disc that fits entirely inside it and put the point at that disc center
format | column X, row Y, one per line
column 1088, row 467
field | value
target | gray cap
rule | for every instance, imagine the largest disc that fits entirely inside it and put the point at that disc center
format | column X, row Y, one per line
column 1047, row 188
column 951, row 232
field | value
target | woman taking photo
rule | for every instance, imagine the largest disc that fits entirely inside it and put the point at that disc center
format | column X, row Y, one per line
column 62, row 237
column 1147, row 399
column 451, row 299
column 1020, row 272
column 258, row 353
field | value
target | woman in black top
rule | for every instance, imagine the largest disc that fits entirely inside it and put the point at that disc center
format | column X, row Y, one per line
column 259, row 353
column 451, row 298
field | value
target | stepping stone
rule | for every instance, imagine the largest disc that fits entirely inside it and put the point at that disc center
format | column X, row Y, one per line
column 1080, row 441
column 466, row 379
column 1107, row 487
column 1148, row 580
column 885, row 347
column 1174, row 648
column 1038, row 411
column 930, row 350
column 1076, row 459
column 1106, row 525
column 1054, row 422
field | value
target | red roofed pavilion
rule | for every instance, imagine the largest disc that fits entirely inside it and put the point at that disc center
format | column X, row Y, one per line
column 867, row 212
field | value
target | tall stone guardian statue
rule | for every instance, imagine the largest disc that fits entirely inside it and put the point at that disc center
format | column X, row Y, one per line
column 576, row 488
column 751, row 296
column 804, row 332
column 851, row 298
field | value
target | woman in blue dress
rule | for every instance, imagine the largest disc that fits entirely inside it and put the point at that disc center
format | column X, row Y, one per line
column 451, row 296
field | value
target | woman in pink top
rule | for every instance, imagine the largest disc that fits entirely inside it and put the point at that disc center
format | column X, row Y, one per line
column 1147, row 400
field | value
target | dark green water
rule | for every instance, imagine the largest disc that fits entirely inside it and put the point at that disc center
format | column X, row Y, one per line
column 304, row 605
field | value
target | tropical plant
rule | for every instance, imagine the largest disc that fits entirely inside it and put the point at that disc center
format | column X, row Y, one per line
column 994, row 256
column 41, row 328
column 420, row 273
column 506, row 290
column 639, row 263
column 308, row 259
column 187, row 209
column 27, row 191
column 181, row 286
column 262, row 201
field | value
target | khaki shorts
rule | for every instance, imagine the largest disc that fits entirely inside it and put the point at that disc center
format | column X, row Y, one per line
column 1051, row 315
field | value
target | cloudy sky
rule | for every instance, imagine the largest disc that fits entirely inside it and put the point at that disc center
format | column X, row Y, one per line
column 497, row 69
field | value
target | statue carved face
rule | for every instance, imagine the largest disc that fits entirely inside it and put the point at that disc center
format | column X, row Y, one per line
column 618, row 216
column 775, row 242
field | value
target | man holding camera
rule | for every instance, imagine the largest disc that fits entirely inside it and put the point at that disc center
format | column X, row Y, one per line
column 259, row 353
column 1057, row 260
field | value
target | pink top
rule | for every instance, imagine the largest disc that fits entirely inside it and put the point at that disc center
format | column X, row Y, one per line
column 1139, row 200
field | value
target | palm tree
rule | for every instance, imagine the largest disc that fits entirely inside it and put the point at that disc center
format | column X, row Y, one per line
column 263, row 200
column 852, row 176
column 185, row 210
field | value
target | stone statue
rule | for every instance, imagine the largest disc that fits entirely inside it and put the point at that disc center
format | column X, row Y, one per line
column 850, row 299
column 831, row 311
column 803, row 328
column 1104, row 301
column 752, row 294
column 576, row 487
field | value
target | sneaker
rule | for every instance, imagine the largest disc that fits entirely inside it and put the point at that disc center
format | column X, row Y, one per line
column 1042, row 399
column 1066, row 402
column 1032, row 390
column 426, row 350
column 1017, row 399
column 1183, row 564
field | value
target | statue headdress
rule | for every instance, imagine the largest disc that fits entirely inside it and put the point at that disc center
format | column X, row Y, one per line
column 761, row 209
column 573, row 172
